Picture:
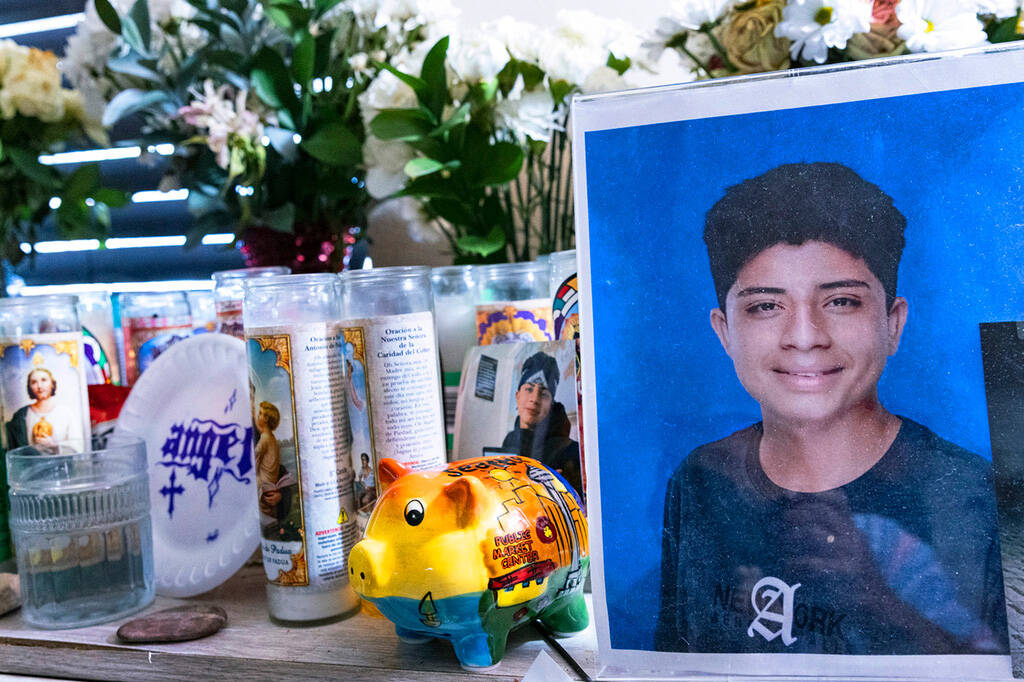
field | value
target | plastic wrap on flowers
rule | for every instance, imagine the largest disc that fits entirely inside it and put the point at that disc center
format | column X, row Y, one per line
column 474, row 551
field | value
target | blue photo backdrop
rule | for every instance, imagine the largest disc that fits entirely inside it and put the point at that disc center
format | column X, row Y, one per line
column 953, row 163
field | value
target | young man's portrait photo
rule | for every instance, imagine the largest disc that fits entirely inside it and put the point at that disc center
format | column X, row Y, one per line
column 793, row 457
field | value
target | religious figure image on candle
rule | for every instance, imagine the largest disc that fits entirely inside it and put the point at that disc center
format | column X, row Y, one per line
column 43, row 394
column 364, row 460
column 276, row 457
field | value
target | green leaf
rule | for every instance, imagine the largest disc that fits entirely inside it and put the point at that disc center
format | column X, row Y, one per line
column 272, row 83
column 451, row 210
column 335, row 144
column 620, row 65
column 236, row 6
column 460, row 116
column 532, row 74
column 28, row 163
column 422, row 166
column 560, row 90
column 129, row 101
column 111, row 197
column 140, row 15
column 290, row 16
column 133, row 64
column 501, row 164
column 401, row 124
column 81, row 183
column 1004, row 31
column 135, row 27
column 488, row 89
column 483, row 246
column 302, row 60
column 281, row 219
column 323, row 6
column 108, row 15
column 418, row 85
column 435, row 76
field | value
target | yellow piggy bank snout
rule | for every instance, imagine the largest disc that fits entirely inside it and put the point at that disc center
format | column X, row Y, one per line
column 364, row 563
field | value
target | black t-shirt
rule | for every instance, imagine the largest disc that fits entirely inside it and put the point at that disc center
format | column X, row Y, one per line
column 903, row 560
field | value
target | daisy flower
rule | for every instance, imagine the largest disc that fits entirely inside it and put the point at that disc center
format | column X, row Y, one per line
column 933, row 25
column 814, row 26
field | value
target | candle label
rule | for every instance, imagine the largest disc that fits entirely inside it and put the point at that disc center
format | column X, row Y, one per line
column 45, row 400
column 145, row 338
column 514, row 322
column 364, row 461
column 229, row 318
column 403, row 418
column 301, row 453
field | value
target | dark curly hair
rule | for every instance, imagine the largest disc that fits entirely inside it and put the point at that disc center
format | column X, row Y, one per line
column 800, row 202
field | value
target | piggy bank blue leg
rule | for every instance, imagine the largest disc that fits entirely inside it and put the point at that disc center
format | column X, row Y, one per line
column 479, row 650
column 410, row 636
column 567, row 618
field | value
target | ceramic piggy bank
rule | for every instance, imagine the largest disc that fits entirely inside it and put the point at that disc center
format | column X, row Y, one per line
column 474, row 551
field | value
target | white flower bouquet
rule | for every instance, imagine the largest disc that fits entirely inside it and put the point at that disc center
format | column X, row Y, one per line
column 726, row 37
column 475, row 129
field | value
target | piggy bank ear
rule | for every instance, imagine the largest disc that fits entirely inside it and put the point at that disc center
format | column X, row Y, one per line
column 389, row 470
column 467, row 496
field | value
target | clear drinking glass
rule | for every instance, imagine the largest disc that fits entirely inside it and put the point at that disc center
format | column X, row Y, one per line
column 82, row 534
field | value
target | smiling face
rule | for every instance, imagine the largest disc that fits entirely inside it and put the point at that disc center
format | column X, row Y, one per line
column 808, row 332
column 533, row 403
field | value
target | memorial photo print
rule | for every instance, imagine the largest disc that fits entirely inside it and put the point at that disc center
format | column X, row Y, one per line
column 793, row 446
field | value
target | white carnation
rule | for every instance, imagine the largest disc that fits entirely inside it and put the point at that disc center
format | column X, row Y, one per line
column 477, row 59
column 530, row 114
column 385, row 165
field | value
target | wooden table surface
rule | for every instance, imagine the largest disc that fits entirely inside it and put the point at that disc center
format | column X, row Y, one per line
column 358, row 648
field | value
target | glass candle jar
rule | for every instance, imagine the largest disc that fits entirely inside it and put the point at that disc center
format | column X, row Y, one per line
column 395, row 385
column 455, row 296
column 515, row 303
column 43, row 393
column 97, row 316
column 228, row 289
column 304, row 471
column 150, row 323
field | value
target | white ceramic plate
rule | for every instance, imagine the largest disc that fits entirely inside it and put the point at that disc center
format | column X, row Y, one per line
column 191, row 406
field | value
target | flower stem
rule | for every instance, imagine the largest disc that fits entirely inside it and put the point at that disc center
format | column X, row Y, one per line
column 701, row 66
column 706, row 30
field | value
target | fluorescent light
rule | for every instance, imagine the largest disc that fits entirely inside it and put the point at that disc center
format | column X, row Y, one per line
column 148, row 195
column 63, row 246
column 90, row 155
column 144, row 242
column 20, row 28
column 114, row 287
column 163, row 149
column 218, row 238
